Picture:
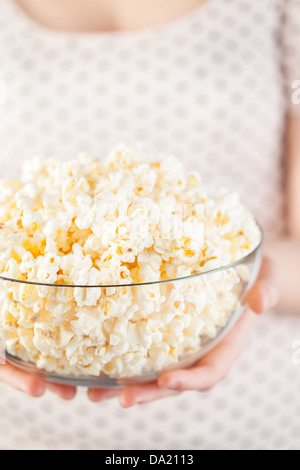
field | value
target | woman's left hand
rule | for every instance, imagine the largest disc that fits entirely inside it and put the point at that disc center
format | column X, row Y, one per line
column 210, row 370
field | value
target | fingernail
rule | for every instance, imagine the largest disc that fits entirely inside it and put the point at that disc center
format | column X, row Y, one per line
column 40, row 390
column 174, row 385
column 69, row 395
column 123, row 402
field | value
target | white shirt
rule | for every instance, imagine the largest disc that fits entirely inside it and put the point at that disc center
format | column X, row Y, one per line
column 208, row 87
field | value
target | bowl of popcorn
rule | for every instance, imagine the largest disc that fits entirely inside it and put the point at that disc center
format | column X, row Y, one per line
column 116, row 270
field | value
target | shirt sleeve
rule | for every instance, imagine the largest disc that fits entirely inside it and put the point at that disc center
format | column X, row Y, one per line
column 291, row 54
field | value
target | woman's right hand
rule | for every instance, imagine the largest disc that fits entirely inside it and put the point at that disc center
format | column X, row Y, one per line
column 32, row 384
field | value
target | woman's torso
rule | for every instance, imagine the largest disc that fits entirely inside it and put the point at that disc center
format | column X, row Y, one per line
column 207, row 87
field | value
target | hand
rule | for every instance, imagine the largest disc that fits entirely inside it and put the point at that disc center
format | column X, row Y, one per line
column 31, row 384
column 210, row 370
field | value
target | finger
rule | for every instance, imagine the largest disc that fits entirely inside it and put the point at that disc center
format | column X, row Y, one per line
column 213, row 367
column 99, row 394
column 264, row 295
column 137, row 395
column 66, row 392
column 20, row 380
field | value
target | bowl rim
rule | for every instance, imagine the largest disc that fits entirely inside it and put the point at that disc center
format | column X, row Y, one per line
column 148, row 283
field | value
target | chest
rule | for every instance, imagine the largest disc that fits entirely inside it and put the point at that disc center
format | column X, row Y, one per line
column 207, row 88
column 194, row 67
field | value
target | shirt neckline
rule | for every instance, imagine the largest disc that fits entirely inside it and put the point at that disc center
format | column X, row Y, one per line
column 168, row 26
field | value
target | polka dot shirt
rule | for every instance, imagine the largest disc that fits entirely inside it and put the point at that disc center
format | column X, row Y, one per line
column 212, row 87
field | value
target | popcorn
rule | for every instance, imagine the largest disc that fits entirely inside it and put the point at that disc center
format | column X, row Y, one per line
column 82, row 236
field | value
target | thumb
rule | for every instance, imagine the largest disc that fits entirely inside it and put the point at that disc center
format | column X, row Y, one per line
column 264, row 294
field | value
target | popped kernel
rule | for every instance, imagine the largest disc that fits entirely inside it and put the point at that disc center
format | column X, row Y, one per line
column 116, row 222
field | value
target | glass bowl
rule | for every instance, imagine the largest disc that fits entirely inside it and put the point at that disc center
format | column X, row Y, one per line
column 94, row 328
